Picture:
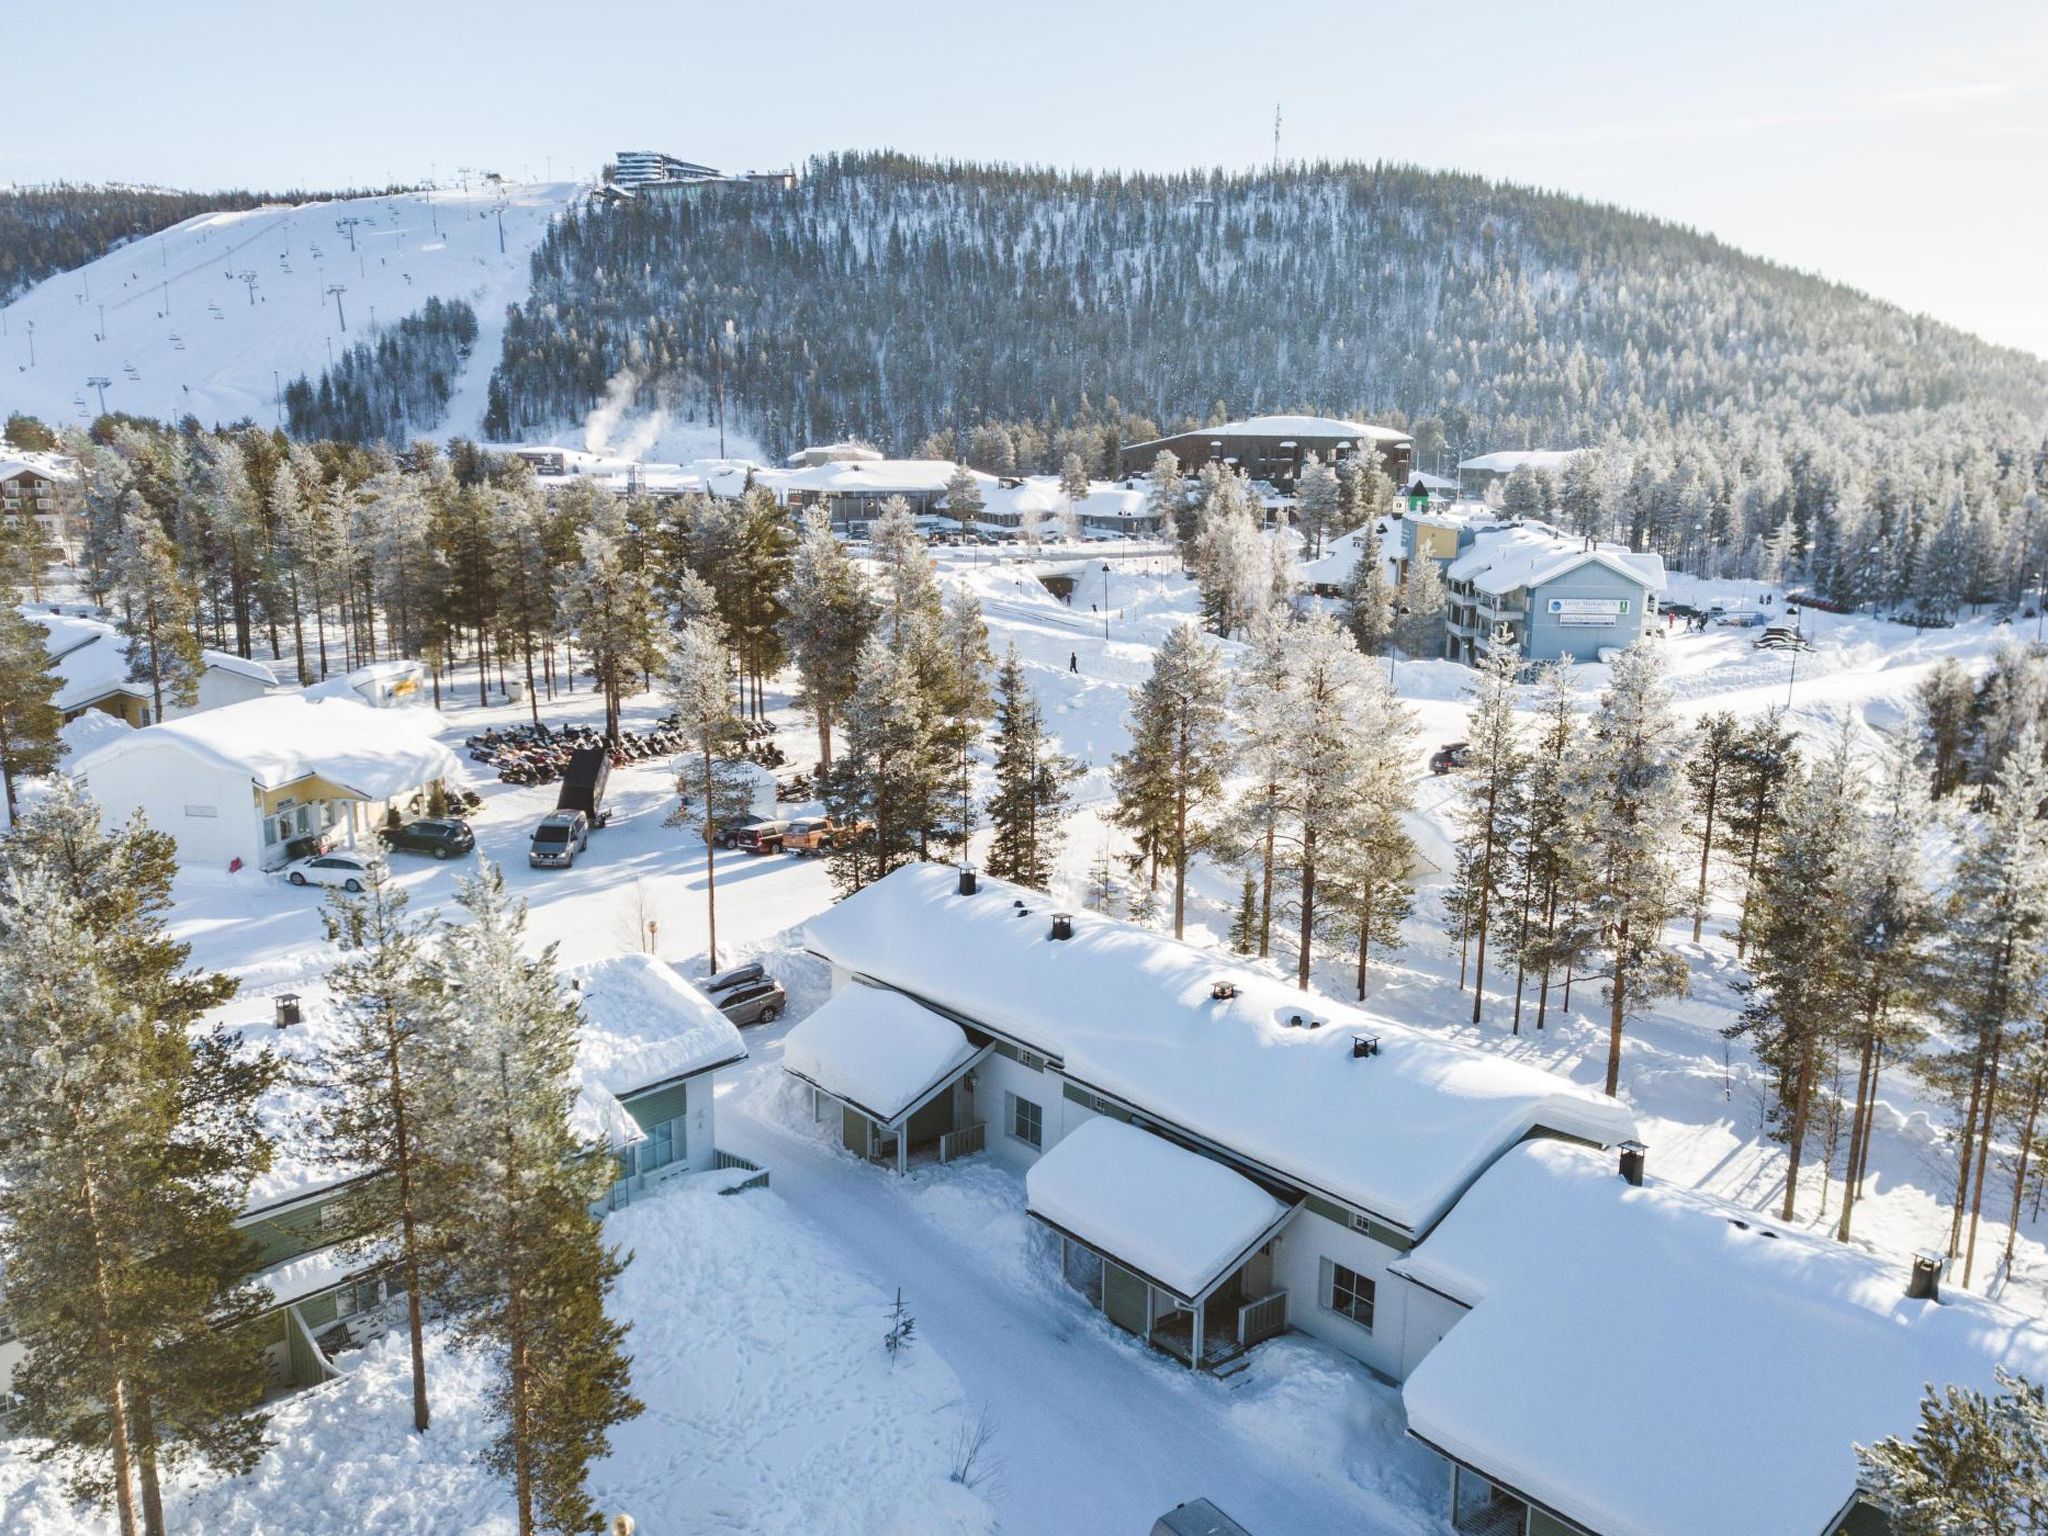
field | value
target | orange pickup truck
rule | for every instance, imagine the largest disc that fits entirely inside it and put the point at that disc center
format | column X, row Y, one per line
column 817, row 834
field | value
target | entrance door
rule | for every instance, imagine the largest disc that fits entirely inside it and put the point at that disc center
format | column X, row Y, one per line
column 1125, row 1298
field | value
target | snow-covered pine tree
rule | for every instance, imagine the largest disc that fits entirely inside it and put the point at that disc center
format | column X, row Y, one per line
column 1230, row 561
column 961, row 689
column 1708, row 769
column 528, row 1281
column 29, row 718
column 1419, row 608
column 1976, row 1464
column 1765, row 761
column 888, row 779
column 1627, row 790
column 1368, row 596
column 1369, row 884
column 1522, row 496
column 1180, row 751
column 697, row 685
column 1166, row 497
column 1244, row 925
column 1073, row 479
column 1991, row 972
column 1250, row 832
column 1492, row 792
column 1033, row 785
column 964, row 501
column 159, row 612
column 609, row 605
column 1550, row 838
column 373, row 1087
column 830, row 613
column 1318, row 504
column 1797, row 999
column 128, row 1137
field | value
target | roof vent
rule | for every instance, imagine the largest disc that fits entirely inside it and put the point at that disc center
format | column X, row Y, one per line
column 1365, row 1045
column 1223, row 991
column 1924, row 1284
column 1063, row 925
column 1295, row 1019
column 1632, row 1155
column 287, row 1005
column 968, row 884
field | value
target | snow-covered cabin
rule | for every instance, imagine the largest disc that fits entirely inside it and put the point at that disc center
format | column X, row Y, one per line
column 647, row 1056
column 245, row 782
column 964, row 1017
column 1108, row 510
column 393, row 684
column 1476, row 475
column 1561, row 596
column 1273, row 449
column 852, row 490
column 38, row 485
column 90, row 657
column 1624, row 1358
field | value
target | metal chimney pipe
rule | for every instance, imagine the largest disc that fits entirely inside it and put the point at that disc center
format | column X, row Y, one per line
column 968, row 885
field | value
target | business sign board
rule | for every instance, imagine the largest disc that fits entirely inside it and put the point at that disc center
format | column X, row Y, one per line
column 1588, row 610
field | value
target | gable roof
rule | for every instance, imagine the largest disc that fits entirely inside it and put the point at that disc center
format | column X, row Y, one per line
column 1746, row 1362
column 1130, row 1013
column 92, row 659
column 1524, row 555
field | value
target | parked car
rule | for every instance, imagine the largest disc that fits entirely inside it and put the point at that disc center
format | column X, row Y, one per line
column 1449, row 756
column 346, row 867
column 1741, row 620
column 726, row 833
column 560, row 836
column 443, row 837
column 738, row 976
column 1197, row 1517
column 760, row 836
column 809, row 835
column 753, row 1002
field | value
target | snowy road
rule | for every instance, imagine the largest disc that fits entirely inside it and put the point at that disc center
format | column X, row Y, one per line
column 1092, row 1435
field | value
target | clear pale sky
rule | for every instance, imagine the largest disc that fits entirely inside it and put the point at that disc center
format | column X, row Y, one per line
column 1902, row 148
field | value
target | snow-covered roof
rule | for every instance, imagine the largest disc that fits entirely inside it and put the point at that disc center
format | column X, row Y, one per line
column 1526, row 555
column 91, row 729
column 643, row 1024
column 876, row 1049
column 879, row 477
column 1431, row 482
column 1630, row 1349
column 1130, row 1013
column 91, row 659
column 1306, row 426
column 376, row 753
column 25, row 461
column 1508, row 461
column 1340, row 556
column 310, row 1273
column 845, row 450
column 1041, row 493
column 1174, row 1216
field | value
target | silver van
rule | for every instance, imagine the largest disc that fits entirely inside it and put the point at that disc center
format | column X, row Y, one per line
column 1197, row 1517
column 560, row 836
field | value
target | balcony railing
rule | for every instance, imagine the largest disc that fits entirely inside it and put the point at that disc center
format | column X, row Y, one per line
column 723, row 1159
column 964, row 1142
column 1262, row 1319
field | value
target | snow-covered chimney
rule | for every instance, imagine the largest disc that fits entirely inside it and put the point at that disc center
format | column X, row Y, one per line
column 1632, row 1155
column 1063, row 925
column 1924, row 1284
column 1364, row 1045
column 968, row 885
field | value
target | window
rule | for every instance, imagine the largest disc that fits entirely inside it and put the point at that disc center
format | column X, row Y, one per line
column 203, row 812
column 1027, row 1121
column 1348, row 1292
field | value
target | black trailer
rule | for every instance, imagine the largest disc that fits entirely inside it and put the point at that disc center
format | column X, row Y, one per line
column 588, row 770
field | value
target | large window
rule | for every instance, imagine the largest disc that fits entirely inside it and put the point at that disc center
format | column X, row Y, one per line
column 1027, row 1121
column 1348, row 1292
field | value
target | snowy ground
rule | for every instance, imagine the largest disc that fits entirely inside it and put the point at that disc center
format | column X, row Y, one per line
column 757, row 1319
column 175, row 327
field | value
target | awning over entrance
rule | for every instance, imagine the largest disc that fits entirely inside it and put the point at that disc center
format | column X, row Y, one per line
column 1173, row 1217
column 876, row 1051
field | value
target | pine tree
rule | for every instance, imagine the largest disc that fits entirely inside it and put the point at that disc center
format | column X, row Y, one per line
column 830, row 615
column 697, row 686
column 1369, row 884
column 374, row 1088
column 529, row 1280
column 128, row 1138
column 1763, row 764
column 1419, row 620
column 885, row 781
column 1368, row 599
column 1975, row 1464
column 29, row 718
column 610, row 606
column 1033, row 785
column 1073, row 479
column 961, row 690
column 1550, row 840
column 1166, row 497
column 159, row 613
column 964, row 501
column 1244, row 926
column 1490, row 810
column 1180, row 750
column 1707, row 772
column 1627, row 789
column 1318, row 504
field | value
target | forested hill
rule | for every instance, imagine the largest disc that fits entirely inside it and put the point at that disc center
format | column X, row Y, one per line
column 893, row 296
column 45, row 230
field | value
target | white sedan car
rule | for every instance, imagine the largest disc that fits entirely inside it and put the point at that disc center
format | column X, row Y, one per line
column 343, row 867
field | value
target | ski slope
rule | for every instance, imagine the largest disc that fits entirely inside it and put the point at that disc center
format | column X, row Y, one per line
column 209, row 317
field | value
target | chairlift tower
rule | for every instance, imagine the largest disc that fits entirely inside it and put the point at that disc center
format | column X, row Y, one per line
column 100, row 381
column 338, row 289
column 249, row 282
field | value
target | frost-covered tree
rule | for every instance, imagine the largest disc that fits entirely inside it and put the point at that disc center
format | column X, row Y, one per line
column 1180, row 751
column 1491, row 803
column 1229, row 557
column 964, row 501
column 128, row 1139
column 1708, row 769
column 373, row 1085
column 527, row 1284
column 1764, row 762
column 1368, row 596
column 1976, row 1465
column 1073, row 479
column 1166, row 497
column 830, row 613
column 961, row 688
column 159, row 613
column 887, row 785
column 697, row 686
column 1033, row 784
column 1628, row 797
column 1419, row 607
column 1318, row 504
column 29, row 718
column 609, row 603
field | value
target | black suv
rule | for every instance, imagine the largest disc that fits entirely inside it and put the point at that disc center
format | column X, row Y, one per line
column 442, row 836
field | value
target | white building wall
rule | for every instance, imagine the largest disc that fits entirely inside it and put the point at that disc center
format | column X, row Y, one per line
column 703, row 1123
column 218, row 686
column 1297, row 1269
column 997, row 1076
column 1428, row 1317
column 210, row 810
